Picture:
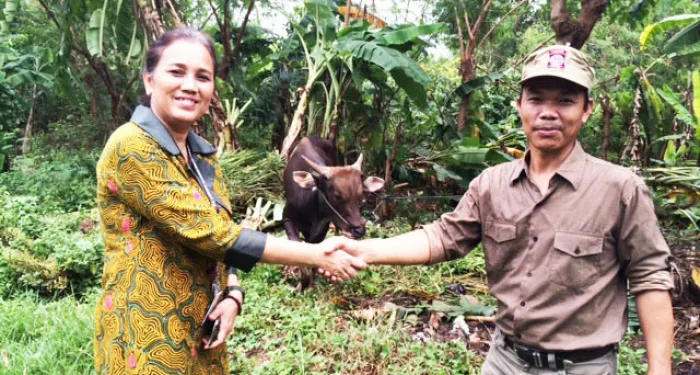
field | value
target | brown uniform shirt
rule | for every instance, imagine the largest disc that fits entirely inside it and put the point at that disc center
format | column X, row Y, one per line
column 558, row 264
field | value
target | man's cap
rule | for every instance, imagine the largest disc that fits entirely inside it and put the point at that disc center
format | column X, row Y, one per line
column 559, row 61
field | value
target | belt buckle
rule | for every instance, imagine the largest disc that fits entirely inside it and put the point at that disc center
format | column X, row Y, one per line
column 523, row 351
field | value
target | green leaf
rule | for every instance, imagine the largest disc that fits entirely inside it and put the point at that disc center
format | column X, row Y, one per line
column 696, row 101
column 92, row 34
column 670, row 153
column 474, row 84
column 11, row 6
column 444, row 173
column 407, row 34
column 683, row 38
column 102, row 24
column 665, row 25
column 405, row 71
column 681, row 111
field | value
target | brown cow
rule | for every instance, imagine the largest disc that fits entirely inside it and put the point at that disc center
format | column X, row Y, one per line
column 319, row 192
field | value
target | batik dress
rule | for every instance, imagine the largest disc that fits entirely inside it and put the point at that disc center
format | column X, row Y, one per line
column 165, row 239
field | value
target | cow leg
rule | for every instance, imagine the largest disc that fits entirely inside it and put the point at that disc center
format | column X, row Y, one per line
column 289, row 271
column 291, row 229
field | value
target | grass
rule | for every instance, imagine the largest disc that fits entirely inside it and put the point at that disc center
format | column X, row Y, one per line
column 325, row 331
column 40, row 337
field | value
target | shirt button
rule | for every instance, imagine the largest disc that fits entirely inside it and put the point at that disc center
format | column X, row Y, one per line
column 522, row 304
column 529, row 274
column 534, row 239
column 577, row 251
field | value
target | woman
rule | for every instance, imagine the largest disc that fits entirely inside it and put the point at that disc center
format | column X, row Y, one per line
column 166, row 222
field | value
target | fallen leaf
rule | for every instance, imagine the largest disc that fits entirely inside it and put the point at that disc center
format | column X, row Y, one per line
column 366, row 315
column 434, row 321
column 422, row 294
column 341, row 302
column 461, row 326
column 693, row 322
column 5, row 359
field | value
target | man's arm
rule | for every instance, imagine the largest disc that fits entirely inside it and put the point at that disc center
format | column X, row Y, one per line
column 656, row 317
column 406, row 249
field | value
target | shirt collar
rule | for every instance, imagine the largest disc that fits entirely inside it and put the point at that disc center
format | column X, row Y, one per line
column 571, row 170
column 149, row 122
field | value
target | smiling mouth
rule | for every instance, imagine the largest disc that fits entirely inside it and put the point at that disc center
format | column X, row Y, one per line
column 187, row 101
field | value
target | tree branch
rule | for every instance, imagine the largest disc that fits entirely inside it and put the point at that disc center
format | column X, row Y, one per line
column 50, row 13
column 500, row 22
column 241, row 33
column 460, row 34
column 216, row 15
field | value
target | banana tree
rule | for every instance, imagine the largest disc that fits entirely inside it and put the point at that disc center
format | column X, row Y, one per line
column 339, row 56
column 649, row 104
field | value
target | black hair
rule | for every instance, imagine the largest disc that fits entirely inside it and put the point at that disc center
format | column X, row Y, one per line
column 155, row 52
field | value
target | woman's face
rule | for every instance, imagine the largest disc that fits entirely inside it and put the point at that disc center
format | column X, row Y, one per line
column 182, row 84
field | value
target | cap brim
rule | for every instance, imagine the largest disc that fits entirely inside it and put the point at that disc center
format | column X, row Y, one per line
column 557, row 74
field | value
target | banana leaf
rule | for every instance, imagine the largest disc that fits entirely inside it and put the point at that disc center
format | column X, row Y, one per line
column 407, row 34
column 681, row 112
column 405, row 71
column 685, row 37
column 664, row 25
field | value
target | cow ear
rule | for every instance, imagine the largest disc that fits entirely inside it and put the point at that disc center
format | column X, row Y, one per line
column 304, row 179
column 373, row 183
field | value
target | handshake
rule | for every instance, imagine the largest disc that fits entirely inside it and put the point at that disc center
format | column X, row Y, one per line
column 340, row 258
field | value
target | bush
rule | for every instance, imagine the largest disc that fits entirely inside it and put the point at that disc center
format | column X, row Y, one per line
column 61, row 180
column 46, row 253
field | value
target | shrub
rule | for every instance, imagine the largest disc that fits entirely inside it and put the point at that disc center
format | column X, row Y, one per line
column 61, row 180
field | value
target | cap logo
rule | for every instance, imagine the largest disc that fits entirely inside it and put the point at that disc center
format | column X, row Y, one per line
column 557, row 59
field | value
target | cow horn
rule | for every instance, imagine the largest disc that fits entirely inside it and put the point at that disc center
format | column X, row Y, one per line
column 358, row 163
column 323, row 170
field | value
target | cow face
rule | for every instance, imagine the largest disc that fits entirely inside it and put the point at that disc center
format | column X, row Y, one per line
column 344, row 189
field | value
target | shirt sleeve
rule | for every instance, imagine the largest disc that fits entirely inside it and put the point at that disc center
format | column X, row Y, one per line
column 456, row 233
column 641, row 246
column 142, row 180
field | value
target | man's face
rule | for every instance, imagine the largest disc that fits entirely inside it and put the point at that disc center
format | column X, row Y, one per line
column 552, row 111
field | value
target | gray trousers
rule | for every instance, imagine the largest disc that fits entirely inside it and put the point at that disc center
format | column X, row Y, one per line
column 501, row 360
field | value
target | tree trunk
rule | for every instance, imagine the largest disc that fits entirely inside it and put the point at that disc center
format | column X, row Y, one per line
column 231, row 56
column 467, row 68
column 634, row 147
column 575, row 32
column 385, row 211
column 297, row 120
column 26, row 142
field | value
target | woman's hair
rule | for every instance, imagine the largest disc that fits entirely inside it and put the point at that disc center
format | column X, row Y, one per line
column 155, row 52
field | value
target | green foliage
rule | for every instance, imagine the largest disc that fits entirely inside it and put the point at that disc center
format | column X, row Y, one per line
column 61, row 181
column 46, row 252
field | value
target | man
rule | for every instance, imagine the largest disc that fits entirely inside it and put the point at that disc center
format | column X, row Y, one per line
column 564, row 235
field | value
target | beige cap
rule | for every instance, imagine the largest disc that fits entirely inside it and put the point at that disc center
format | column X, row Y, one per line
column 559, row 61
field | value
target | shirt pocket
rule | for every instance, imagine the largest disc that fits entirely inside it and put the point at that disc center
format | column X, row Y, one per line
column 499, row 246
column 575, row 260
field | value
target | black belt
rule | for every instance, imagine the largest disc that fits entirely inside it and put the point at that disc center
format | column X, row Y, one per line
column 555, row 360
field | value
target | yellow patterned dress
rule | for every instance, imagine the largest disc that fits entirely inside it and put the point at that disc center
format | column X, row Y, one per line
column 164, row 237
